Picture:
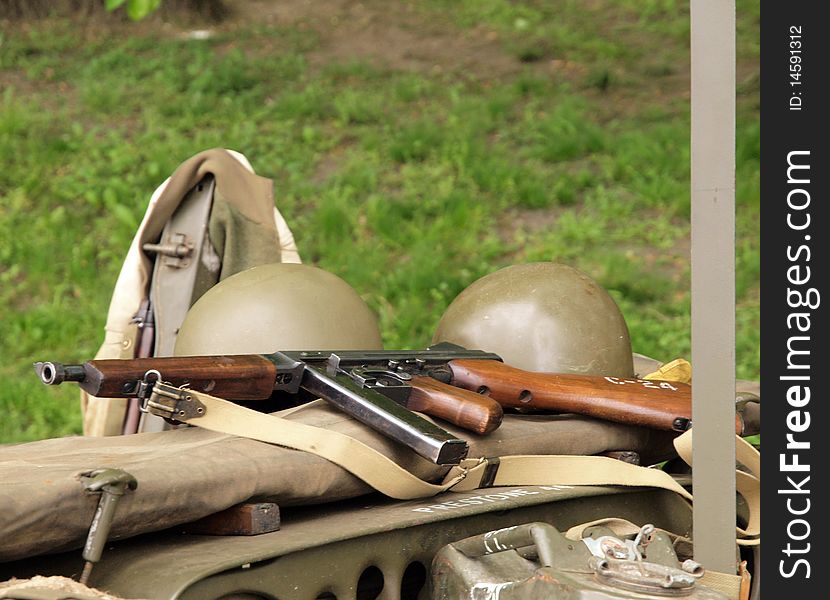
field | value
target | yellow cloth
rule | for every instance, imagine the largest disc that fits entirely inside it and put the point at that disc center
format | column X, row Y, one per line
column 679, row 370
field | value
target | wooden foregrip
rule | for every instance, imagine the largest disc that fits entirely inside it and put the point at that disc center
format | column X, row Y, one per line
column 654, row 404
column 467, row 410
column 241, row 377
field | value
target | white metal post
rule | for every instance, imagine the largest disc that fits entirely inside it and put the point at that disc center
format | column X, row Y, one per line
column 713, row 281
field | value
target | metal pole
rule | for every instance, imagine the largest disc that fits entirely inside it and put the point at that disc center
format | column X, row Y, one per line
column 713, row 281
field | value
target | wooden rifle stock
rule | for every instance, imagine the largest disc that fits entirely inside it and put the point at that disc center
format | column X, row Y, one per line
column 655, row 404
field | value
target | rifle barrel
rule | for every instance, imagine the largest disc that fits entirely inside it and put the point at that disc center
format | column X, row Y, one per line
column 56, row 373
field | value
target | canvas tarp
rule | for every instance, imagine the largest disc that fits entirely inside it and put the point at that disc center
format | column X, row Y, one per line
column 186, row 474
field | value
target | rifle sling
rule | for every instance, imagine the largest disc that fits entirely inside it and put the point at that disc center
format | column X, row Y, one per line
column 389, row 478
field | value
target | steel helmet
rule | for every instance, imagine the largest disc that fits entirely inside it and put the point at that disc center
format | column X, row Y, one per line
column 541, row 317
column 280, row 306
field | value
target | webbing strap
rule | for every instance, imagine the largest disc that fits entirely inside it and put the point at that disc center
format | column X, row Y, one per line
column 621, row 527
column 600, row 470
column 726, row 583
column 389, row 478
column 360, row 460
column 748, row 483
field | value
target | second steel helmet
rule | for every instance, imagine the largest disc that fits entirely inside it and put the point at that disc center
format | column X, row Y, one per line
column 541, row 317
column 278, row 306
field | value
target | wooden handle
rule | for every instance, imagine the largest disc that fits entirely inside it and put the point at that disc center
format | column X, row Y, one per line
column 242, row 377
column 470, row 411
column 656, row 404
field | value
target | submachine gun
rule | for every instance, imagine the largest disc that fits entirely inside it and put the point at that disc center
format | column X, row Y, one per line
column 381, row 388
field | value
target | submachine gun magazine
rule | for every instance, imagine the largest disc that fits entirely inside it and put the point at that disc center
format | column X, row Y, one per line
column 378, row 388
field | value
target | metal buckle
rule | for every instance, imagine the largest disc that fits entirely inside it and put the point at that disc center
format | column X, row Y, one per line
column 145, row 388
column 459, row 472
column 488, row 478
column 170, row 402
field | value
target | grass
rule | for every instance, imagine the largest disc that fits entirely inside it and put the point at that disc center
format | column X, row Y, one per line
column 408, row 183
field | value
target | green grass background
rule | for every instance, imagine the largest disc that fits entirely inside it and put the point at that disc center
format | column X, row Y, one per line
column 410, row 182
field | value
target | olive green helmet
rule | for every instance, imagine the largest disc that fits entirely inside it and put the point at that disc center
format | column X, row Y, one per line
column 541, row 317
column 280, row 306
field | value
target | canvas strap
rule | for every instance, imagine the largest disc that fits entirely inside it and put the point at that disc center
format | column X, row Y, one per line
column 389, row 478
column 730, row 585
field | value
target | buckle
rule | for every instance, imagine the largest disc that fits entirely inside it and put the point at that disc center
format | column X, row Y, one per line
column 170, row 402
column 459, row 472
column 490, row 471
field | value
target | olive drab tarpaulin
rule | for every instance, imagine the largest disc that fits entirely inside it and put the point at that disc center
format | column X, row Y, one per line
column 186, row 474
column 245, row 230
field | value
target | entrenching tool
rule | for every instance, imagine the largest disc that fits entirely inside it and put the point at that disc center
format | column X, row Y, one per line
column 113, row 484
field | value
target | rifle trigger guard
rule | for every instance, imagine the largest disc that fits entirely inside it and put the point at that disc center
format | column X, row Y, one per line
column 170, row 402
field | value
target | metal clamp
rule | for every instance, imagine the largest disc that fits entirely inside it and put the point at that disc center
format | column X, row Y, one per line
column 620, row 562
column 175, row 251
column 643, row 577
column 145, row 388
column 173, row 403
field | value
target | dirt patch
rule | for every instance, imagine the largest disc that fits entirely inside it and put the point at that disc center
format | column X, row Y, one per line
column 18, row 84
column 516, row 223
column 392, row 35
column 51, row 95
column 671, row 263
column 327, row 167
column 399, row 36
column 530, row 220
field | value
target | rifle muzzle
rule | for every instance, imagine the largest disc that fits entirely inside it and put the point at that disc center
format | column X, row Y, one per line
column 55, row 373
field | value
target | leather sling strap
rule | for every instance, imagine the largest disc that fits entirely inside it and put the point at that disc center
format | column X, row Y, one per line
column 389, row 478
